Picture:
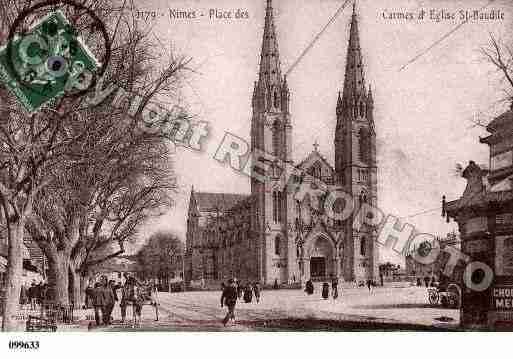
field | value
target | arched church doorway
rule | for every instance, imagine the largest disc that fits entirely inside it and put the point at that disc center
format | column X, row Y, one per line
column 317, row 267
column 321, row 257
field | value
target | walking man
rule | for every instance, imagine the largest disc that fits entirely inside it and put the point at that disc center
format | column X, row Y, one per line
column 98, row 303
column 334, row 287
column 256, row 290
column 32, row 292
column 229, row 298
column 111, row 297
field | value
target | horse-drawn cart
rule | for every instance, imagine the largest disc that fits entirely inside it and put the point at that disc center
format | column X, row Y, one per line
column 449, row 298
column 139, row 294
column 149, row 296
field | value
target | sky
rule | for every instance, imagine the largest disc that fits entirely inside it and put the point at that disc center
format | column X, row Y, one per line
column 422, row 113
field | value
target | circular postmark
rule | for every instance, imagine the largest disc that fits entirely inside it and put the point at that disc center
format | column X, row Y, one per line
column 51, row 59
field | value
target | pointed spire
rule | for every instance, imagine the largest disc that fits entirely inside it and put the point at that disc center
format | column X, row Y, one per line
column 270, row 71
column 340, row 104
column 354, row 81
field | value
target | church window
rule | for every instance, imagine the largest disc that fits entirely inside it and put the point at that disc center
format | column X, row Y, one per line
column 362, row 109
column 363, row 175
column 363, row 245
column 363, row 145
column 276, row 104
column 276, row 141
column 275, row 206
column 280, row 207
column 277, row 246
column 316, row 170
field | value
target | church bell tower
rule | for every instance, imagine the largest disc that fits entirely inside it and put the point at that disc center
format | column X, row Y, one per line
column 271, row 140
column 355, row 159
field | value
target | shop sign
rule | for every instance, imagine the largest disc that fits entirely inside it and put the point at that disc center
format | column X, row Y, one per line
column 504, row 255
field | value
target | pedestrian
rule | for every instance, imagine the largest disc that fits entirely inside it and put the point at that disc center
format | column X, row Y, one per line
column 98, row 303
column 123, row 303
column 248, row 294
column 137, row 303
column 334, row 287
column 369, row 284
column 23, row 295
column 381, row 278
column 32, row 294
column 229, row 298
column 256, row 291
column 112, row 298
column 325, row 290
column 89, row 296
column 275, row 285
column 309, row 287
column 426, row 281
column 103, row 301
column 42, row 293
column 240, row 290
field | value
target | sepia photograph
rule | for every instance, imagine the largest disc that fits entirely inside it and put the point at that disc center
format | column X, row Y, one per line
column 300, row 167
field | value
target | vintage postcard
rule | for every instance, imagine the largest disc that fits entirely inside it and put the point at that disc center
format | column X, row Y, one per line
column 255, row 166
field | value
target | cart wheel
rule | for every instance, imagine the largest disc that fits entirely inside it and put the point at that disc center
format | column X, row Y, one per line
column 444, row 301
column 433, row 297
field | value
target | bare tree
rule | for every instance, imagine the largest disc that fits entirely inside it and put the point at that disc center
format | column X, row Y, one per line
column 66, row 175
column 114, row 178
column 161, row 256
column 499, row 55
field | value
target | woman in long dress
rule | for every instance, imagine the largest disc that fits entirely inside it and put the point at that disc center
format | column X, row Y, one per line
column 325, row 290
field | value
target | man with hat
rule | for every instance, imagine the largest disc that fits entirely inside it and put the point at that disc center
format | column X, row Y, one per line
column 229, row 298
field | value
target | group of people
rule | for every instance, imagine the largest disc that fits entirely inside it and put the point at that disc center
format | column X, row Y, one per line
column 233, row 291
column 103, row 295
column 35, row 294
column 245, row 292
column 325, row 291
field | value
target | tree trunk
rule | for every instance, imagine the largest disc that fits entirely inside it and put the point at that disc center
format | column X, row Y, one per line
column 58, row 275
column 84, row 279
column 14, row 275
column 78, row 284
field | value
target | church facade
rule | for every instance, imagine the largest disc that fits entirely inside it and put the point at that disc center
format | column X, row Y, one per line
column 269, row 236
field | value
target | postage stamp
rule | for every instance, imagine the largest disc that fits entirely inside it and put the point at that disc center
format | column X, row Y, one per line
column 47, row 61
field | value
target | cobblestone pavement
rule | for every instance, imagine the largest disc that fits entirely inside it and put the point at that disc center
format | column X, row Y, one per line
column 355, row 309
